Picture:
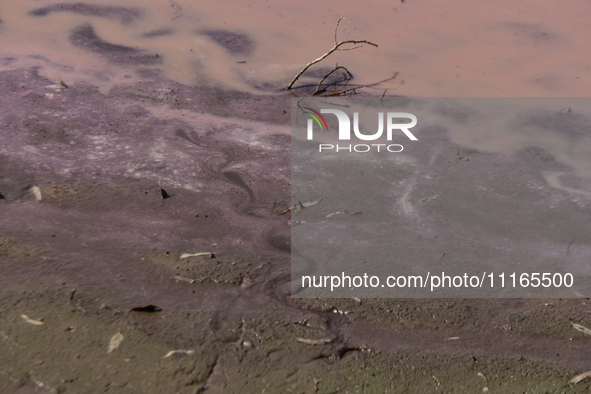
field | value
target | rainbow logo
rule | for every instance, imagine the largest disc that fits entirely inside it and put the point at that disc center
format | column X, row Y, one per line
column 315, row 115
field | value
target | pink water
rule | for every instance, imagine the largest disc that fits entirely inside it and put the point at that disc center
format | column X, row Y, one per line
column 451, row 48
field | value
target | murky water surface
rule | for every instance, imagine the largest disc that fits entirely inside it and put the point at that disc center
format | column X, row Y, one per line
column 452, row 48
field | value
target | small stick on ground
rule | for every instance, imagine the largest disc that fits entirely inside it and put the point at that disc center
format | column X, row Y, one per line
column 384, row 94
column 352, row 90
column 336, row 47
column 379, row 82
column 336, row 67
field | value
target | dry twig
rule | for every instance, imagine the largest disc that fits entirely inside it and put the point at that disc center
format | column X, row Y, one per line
column 336, row 47
column 336, row 67
column 379, row 82
column 352, row 90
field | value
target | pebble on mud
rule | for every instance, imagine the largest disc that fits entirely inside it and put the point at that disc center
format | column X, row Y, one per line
column 31, row 321
column 37, row 193
column 320, row 341
column 185, row 255
column 115, row 342
column 173, row 352
column 580, row 377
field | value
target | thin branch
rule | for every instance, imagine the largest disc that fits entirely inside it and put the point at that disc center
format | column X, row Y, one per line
column 350, row 49
column 353, row 90
column 336, row 67
column 334, row 48
column 336, row 27
column 362, row 86
column 379, row 82
column 298, row 104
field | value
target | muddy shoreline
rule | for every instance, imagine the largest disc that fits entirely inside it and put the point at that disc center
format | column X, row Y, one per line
column 102, row 241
